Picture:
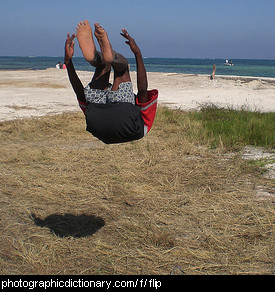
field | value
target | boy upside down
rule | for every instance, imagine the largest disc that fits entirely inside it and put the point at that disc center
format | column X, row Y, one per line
column 114, row 114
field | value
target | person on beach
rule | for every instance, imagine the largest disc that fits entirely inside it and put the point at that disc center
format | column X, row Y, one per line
column 58, row 65
column 114, row 114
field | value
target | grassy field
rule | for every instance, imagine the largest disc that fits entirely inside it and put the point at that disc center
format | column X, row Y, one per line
column 237, row 128
column 181, row 200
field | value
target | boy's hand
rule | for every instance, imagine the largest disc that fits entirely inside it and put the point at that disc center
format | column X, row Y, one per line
column 130, row 41
column 69, row 47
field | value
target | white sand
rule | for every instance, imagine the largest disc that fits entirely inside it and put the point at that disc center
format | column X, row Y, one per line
column 33, row 93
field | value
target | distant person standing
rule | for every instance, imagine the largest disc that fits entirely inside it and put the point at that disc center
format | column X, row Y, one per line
column 58, row 65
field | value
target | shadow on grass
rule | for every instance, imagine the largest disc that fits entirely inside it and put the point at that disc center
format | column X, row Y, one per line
column 70, row 225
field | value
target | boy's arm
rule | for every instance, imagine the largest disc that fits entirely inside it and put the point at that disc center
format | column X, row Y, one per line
column 142, row 82
column 75, row 81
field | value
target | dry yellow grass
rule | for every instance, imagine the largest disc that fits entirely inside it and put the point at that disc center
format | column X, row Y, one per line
column 71, row 205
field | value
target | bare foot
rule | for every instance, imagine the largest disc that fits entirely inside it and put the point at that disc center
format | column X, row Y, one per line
column 104, row 43
column 85, row 40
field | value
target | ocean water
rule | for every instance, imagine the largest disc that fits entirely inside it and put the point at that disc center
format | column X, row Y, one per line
column 242, row 67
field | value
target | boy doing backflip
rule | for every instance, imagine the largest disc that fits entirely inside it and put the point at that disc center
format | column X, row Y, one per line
column 114, row 114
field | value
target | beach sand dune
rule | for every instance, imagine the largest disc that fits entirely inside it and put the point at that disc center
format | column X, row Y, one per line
column 33, row 93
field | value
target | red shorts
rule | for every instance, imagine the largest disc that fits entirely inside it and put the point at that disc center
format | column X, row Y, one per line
column 148, row 109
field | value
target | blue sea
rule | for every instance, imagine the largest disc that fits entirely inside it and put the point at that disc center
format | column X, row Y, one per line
column 242, row 67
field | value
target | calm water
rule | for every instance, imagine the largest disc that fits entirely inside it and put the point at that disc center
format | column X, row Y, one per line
column 242, row 67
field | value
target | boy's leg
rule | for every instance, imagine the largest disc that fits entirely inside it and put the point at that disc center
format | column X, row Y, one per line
column 104, row 43
column 85, row 40
column 121, row 70
column 118, row 62
column 102, row 73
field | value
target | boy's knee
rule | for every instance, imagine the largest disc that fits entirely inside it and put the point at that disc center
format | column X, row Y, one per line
column 120, row 67
column 119, row 59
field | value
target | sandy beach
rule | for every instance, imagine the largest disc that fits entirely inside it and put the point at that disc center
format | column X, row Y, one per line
column 33, row 93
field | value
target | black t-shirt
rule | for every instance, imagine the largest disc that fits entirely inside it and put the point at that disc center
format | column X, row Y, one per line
column 115, row 122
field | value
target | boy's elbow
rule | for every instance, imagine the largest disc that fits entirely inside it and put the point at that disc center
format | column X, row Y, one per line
column 142, row 96
column 142, row 91
column 81, row 97
column 142, row 86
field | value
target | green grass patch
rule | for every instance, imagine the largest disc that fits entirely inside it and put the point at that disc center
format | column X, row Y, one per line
column 237, row 128
column 224, row 127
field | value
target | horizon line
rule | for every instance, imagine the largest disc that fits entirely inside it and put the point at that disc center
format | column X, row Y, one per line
column 202, row 58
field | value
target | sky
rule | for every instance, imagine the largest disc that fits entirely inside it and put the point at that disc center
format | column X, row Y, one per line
column 233, row 29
